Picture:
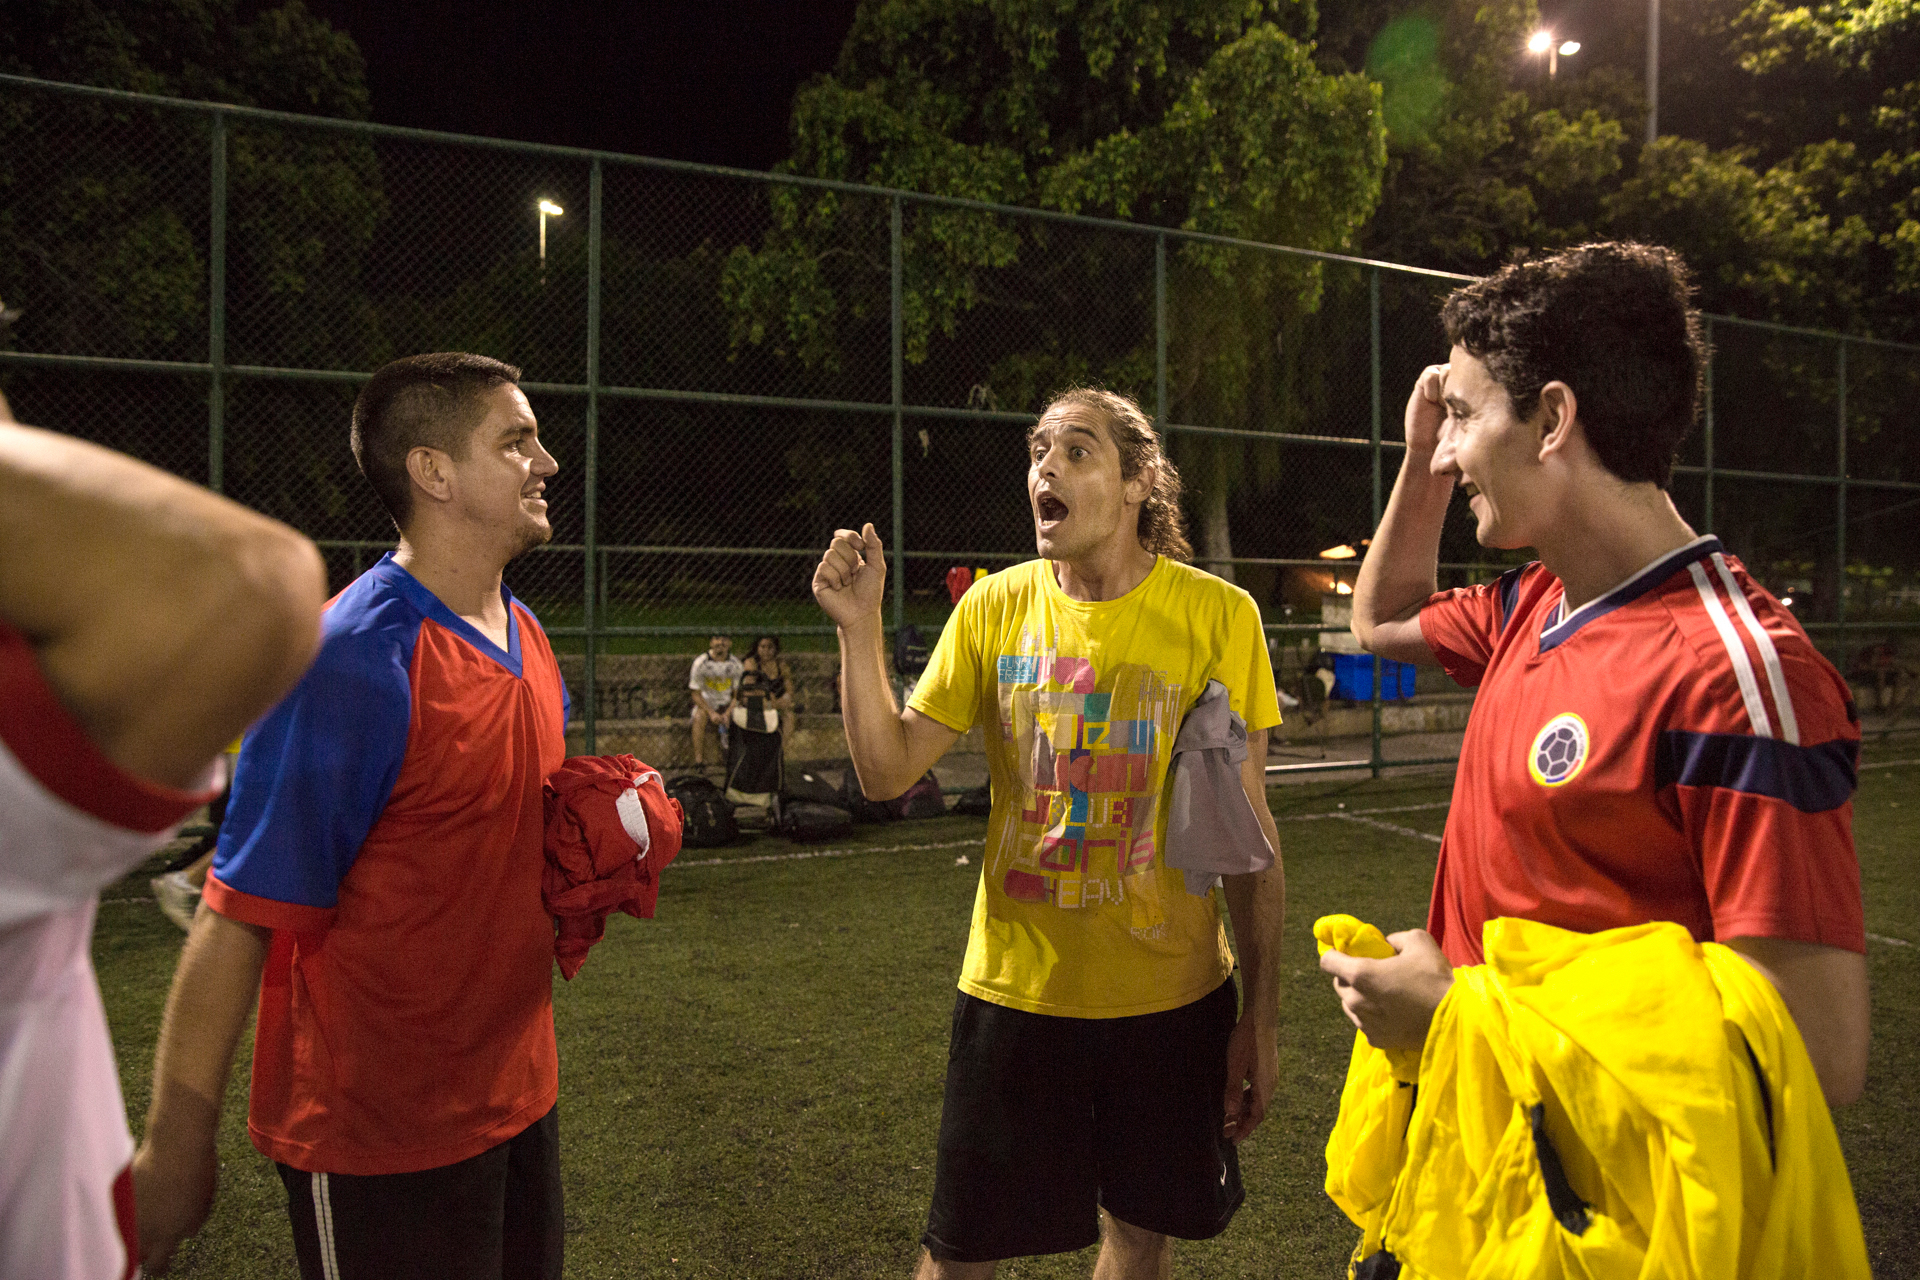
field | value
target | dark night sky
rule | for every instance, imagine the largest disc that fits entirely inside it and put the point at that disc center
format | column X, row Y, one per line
column 707, row 80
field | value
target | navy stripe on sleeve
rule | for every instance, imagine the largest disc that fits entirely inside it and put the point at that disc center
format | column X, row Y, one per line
column 1811, row 779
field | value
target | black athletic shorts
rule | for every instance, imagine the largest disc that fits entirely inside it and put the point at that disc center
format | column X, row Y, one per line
column 1048, row 1119
column 496, row 1216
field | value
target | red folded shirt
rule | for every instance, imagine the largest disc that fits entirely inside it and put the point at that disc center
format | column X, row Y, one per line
column 611, row 830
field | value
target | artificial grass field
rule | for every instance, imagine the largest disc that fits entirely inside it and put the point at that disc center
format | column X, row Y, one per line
column 750, row 1083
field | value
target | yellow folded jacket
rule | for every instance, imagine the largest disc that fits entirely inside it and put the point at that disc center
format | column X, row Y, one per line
column 1623, row 1104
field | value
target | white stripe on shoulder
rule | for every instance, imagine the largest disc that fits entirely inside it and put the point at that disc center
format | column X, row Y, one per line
column 1742, row 667
column 323, row 1221
column 1770, row 656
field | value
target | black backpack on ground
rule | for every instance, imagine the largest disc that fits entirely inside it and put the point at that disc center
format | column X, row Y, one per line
column 921, row 800
column 910, row 652
column 857, row 805
column 977, row 803
column 812, row 788
column 803, row 820
column 708, row 816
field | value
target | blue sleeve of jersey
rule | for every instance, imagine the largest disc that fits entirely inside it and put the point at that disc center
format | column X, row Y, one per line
column 314, row 775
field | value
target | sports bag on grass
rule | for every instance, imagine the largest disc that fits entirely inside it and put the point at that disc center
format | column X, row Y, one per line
column 709, row 818
column 856, row 804
column 804, row 820
column 812, row 788
column 977, row 803
column 921, row 800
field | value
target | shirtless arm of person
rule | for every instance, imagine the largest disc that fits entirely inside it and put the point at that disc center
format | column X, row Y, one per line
column 165, row 617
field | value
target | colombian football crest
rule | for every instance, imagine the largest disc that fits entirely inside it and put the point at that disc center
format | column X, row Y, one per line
column 1559, row 751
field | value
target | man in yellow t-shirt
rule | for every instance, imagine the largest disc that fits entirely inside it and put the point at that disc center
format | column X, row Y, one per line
column 1102, row 1069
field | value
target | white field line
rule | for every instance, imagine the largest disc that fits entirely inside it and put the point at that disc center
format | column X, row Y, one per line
column 1376, row 824
column 819, row 853
column 1887, row 764
column 800, row 855
column 1892, row 942
column 1363, row 813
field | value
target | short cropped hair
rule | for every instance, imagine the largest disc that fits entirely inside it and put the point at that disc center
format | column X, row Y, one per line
column 1614, row 321
column 432, row 400
column 1163, row 526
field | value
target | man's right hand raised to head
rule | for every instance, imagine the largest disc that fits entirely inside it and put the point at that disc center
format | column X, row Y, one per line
column 1426, row 412
column 851, row 582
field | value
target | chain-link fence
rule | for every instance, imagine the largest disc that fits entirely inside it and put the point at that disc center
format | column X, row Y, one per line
column 731, row 365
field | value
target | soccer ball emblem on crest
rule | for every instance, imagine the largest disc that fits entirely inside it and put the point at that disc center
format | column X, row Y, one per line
column 1559, row 751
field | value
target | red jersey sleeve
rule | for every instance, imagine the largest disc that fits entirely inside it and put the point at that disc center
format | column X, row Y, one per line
column 1462, row 626
column 1770, row 814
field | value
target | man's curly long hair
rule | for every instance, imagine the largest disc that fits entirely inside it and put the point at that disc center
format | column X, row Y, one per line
column 1163, row 526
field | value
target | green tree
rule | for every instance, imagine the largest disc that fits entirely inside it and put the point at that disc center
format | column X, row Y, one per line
column 105, row 208
column 1787, row 171
column 1207, row 115
column 106, row 204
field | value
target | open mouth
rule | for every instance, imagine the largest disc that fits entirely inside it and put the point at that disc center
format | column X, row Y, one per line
column 1049, row 509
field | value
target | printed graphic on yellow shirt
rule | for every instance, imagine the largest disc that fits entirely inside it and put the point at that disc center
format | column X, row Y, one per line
column 1090, row 777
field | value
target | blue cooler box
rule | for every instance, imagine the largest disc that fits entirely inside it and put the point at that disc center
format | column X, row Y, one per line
column 1353, row 678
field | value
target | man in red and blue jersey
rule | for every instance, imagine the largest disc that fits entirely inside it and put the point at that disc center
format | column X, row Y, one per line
column 378, row 881
column 1655, row 738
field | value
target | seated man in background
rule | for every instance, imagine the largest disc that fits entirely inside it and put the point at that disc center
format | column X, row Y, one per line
column 144, row 621
column 713, row 680
column 1655, row 738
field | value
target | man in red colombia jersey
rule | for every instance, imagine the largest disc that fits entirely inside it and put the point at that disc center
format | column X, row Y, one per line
column 143, row 622
column 1655, row 738
column 378, row 882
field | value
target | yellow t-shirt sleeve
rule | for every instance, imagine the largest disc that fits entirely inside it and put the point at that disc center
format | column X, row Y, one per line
column 949, row 689
column 1246, row 670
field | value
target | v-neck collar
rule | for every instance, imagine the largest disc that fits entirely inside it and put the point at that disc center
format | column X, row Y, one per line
column 435, row 608
column 1559, row 626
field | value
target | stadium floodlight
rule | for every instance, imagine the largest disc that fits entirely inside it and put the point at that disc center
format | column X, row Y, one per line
column 1570, row 48
column 1541, row 42
column 548, row 209
column 1342, row 552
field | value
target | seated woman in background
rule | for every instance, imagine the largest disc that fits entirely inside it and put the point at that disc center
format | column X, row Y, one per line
column 764, row 657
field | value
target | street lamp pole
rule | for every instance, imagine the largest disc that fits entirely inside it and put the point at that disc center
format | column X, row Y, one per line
column 1653, row 69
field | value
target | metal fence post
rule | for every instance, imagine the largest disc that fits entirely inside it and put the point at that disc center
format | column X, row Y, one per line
column 217, row 311
column 899, row 443
column 590, row 463
column 1840, row 501
column 1160, row 331
column 1375, row 758
column 1706, row 517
